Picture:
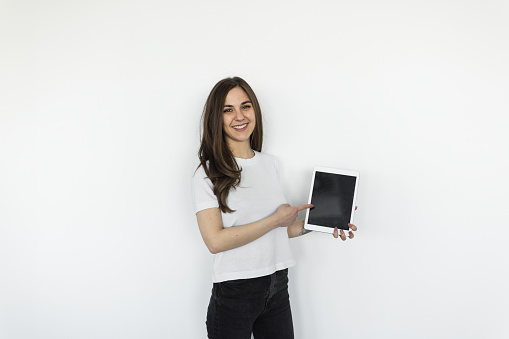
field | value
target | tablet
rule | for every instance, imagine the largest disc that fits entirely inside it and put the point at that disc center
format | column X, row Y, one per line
column 333, row 193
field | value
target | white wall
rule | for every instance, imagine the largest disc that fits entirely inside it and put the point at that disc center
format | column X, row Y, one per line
column 99, row 125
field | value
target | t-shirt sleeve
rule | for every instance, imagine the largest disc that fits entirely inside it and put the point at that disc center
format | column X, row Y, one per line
column 276, row 165
column 203, row 196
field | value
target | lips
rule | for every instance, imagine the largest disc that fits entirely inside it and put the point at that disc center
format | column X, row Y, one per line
column 240, row 128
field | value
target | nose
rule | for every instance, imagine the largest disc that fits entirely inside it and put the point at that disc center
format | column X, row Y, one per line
column 238, row 115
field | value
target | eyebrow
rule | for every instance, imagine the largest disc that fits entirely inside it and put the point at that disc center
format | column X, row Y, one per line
column 242, row 103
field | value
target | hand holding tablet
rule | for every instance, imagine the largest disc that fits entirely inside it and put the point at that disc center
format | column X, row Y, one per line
column 341, row 234
column 333, row 193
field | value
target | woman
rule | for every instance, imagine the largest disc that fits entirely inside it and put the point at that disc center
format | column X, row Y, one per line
column 244, row 219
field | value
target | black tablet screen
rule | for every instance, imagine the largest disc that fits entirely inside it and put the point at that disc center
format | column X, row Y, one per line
column 333, row 197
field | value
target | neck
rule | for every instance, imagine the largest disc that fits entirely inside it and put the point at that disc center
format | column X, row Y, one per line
column 242, row 150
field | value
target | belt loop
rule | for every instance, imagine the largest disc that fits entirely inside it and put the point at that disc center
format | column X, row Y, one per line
column 273, row 281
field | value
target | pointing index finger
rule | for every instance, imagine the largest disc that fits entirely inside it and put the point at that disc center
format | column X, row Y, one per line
column 303, row 207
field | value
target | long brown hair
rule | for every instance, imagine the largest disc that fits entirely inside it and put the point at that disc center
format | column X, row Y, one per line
column 215, row 156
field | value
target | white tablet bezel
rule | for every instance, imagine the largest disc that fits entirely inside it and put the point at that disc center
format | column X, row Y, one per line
column 355, row 174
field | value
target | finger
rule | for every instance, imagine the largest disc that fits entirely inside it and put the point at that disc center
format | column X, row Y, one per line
column 343, row 236
column 350, row 235
column 356, row 208
column 335, row 234
column 353, row 227
column 303, row 207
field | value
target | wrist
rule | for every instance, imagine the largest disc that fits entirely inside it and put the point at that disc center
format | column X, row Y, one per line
column 301, row 229
column 273, row 222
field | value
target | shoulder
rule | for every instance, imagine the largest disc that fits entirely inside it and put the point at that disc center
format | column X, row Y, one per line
column 199, row 176
column 199, row 171
column 266, row 157
column 268, row 160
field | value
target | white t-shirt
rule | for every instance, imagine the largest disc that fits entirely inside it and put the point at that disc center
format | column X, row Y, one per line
column 258, row 196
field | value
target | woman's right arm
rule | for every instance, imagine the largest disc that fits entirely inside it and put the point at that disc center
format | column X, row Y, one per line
column 219, row 239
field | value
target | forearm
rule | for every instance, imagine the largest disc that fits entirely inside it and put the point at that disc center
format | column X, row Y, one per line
column 232, row 237
column 219, row 239
column 297, row 229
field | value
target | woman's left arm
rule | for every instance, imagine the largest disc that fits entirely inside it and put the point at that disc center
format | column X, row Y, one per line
column 297, row 229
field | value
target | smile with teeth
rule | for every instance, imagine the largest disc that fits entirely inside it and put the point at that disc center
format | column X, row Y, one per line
column 240, row 127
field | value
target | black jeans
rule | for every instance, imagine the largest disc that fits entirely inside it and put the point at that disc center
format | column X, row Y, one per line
column 260, row 306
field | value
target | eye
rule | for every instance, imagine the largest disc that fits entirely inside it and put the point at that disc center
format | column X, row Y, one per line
column 227, row 110
column 246, row 107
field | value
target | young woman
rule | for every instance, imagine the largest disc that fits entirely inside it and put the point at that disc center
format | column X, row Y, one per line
column 244, row 219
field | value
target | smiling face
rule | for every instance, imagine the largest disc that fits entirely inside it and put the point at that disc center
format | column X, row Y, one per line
column 238, row 119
